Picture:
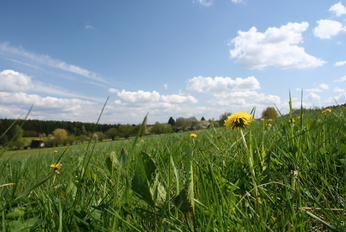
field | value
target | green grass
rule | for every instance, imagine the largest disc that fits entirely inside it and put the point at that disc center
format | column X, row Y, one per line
column 177, row 183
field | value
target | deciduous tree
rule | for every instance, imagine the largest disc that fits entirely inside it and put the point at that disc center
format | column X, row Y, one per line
column 269, row 112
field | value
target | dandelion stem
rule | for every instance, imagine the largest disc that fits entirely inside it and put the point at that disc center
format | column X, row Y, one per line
column 250, row 157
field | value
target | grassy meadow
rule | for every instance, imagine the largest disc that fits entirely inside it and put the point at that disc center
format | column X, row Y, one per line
column 287, row 174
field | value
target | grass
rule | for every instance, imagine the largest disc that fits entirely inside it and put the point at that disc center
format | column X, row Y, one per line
column 177, row 183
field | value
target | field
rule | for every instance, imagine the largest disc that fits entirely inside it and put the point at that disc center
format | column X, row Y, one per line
column 287, row 174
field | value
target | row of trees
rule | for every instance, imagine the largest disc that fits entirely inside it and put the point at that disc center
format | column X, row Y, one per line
column 56, row 133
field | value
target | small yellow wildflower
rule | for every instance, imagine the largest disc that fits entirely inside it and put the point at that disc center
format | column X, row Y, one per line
column 270, row 120
column 238, row 120
column 298, row 117
column 292, row 120
column 142, row 141
column 270, row 125
column 193, row 135
column 56, row 166
column 262, row 119
column 55, row 151
column 326, row 111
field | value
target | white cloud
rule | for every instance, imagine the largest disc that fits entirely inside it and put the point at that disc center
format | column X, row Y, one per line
column 12, row 81
column 327, row 28
column 41, row 102
column 339, row 90
column 342, row 79
column 341, row 98
column 205, row 2
column 340, row 63
column 227, row 102
column 46, row 60
column 165, row 86
column 221, row 84
column 319, row 88
column 269, row 99
column 274, row 47
column 244, row 94
column 111, row 90
column 151, row 97
column 237, row 1
column 338, row 9
column 312, row 97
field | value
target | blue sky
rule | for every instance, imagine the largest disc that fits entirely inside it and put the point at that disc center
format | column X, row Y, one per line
column 178, row 58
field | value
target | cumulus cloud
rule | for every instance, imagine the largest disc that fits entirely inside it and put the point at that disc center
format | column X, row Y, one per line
column 111, row 90
column 204, row 2
column 312, row 97
column 221, row 84
column 274, row 47
column 342, row 79
column 237, row 94
column 319, row 88
column 327, row 28
column 338, row 9
column 339, row 90
column 150, row 97
column 47, row 60
column 227, row 102
column 340, row 63
column 12, row 81
column 268, row 99
column 39, row 102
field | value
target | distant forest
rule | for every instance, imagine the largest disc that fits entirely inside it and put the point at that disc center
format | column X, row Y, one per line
column 33, row 128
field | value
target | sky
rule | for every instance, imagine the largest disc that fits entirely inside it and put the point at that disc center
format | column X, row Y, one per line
column 172, row 58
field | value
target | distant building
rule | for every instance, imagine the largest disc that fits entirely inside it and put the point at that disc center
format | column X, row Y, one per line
column 37, row 143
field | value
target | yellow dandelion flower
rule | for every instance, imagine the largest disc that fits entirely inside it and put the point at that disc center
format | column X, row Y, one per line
column 142, row 141
column 193, row 135
column 56, row 166
column 270, row 125
column 238, row 120
column 262, row 119
column 298, row 117
column 55, row 151
column 292, row 120
column 326, row 111
column 270, row 120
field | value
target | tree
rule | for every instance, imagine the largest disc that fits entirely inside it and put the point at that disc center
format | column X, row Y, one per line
column 171, row 121
column 180, row 123
column 270, row 113
column 100, row 136
column 223, row 117
column 127, row 130
column 202, row 119
column 157, row 128
column 193, row 122
column 60, row 133
column 112, row 133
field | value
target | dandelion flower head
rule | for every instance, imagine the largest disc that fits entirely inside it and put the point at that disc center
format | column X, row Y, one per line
column 193, row 135
column 262, row 119
column 326, row 111
column 270, row 125
column 270, row 120
column 56, row 166
column 55, row 151
column 238, row 120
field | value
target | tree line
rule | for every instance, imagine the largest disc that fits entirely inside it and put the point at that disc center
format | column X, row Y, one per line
column 56, row 133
